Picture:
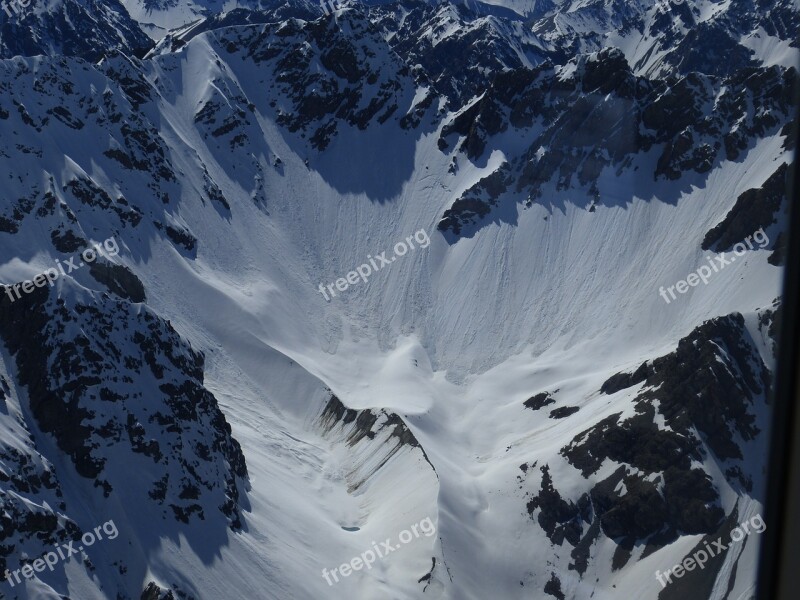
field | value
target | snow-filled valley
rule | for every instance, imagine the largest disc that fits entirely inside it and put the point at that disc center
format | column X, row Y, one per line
column 519, row 379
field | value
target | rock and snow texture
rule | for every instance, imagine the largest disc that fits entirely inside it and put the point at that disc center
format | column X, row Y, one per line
column 518, row 379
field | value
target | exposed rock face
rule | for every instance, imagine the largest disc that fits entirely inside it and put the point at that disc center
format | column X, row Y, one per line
column 706, row 393
column 319, row 99
column 384, row 434
column 539, row 401
column 125, row 382
column 755, row 209
column 154, row 592
column 31, row 498
column 599, row 115
column 561, row 519
column 695, row 386
column 119, row 279
column 72, row 28
column 476, row 202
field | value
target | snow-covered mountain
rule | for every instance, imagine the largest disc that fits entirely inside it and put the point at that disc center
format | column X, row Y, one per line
column 85, row 28
column 524, row 181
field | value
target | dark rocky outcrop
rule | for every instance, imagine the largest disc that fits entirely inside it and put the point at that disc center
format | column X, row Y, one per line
column 553, row 587
column 355, row 427
column 560, row 519
column 32, row 505
column 85, row 367
column 755, row 209
column 705, row 394
column 622, row 381
column 603, row 116
column 119, row 279
column 539, row 401
column 71, row 28
column 476, row 202
column 564, row 411
column 154, row 592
